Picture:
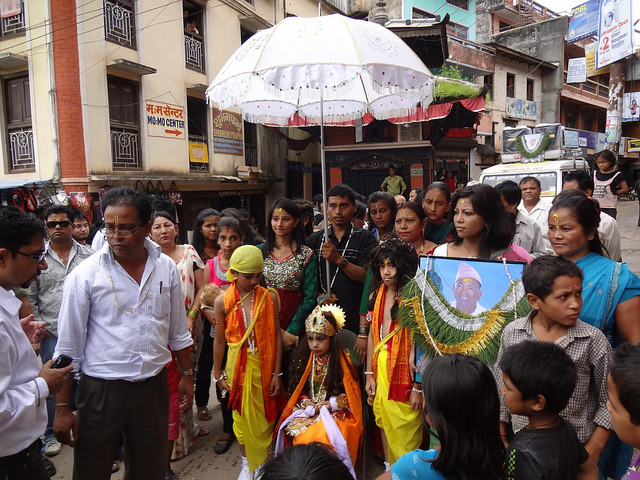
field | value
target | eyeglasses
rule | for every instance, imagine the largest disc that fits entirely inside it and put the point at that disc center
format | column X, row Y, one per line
column 123, row 232
column 62, row 224
column 38, row 257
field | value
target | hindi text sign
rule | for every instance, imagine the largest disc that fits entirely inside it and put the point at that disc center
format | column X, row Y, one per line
column 165, row 120
column 227, row 132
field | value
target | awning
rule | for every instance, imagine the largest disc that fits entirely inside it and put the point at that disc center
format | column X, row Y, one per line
column 7, row 184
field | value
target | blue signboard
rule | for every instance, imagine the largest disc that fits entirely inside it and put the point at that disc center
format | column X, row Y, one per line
column 583, row 22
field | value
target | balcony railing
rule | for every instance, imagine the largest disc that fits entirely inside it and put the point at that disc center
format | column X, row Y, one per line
column 21, row 150
column 125, row 149
column 13, row 24
column 193, row 51
column 118, row 23
column 590, row 87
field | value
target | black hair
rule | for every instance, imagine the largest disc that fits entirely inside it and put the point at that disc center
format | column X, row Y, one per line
column 608, row 155
column 300, row 357
column 443, row 187
column 530, row 179
column 306, row 212
column 486, row 202
column 234, row 223
column 405, row 258
column 161, row 203
column 416, row 208
column 249, row 234
column 541, row 368
column 198, row 239
column 461, row 399
column 18, row 228
column 163, row 214
column 510, row 191
column 385, row 197
column 127, row 196
column 586, row 212
column 539, row 276
column 417, row 190
column 624, row 369
column 342, row 190
column 79, row 216
column 360, row 198
column 310, row 461
column 585, row 181
column 297, row 235
column 61, row 210
column 317, row 198
column 361, row 210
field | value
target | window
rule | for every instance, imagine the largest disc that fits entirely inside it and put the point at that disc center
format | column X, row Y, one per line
column 529, row 90
column 601, row 124
column 464, row 4
column 503, row 26
column 457, row 30
column 250, row 144
column 510, row 123
column 193, row 36
column 119, row 22
column 197, row 128
column 511, row 85
column 18, row 125
column 124, row 119
column 587, row 122
column 419, row 13
column 13, row 22
column 570, row 120
column 488, row 81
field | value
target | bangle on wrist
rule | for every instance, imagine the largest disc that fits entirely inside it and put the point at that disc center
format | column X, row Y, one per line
column 503, row 434
column 368, row 373
column 223, row 375
column 363, row 336
column 364, row 329
column 62, row 405
column 414, row 389
column 278, row 374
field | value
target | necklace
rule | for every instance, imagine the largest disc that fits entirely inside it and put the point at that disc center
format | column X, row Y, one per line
column 467, row 251
column 210, row 251
column 115, row 298
column 555, row 422
column 251, row 341
column 322, row 391
column 342, row 255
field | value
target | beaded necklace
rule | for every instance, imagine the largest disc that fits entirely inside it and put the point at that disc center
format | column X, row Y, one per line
column 251, row 341
column 115, row 298
column 322, row 391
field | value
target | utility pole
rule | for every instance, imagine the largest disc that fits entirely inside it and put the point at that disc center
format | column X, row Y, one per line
column 614, row 107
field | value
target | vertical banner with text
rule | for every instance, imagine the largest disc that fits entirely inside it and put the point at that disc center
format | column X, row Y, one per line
column 615, row 32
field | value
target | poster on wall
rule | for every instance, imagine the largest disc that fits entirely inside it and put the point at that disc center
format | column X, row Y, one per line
column 583, row 21
column 631, row 107
column 612, row 129
column 227, row 132
column 577, row 72
column 615, row 32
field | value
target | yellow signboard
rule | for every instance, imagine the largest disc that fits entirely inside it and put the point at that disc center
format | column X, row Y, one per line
column 590, row 54
column 198, row 152
column 633, row 145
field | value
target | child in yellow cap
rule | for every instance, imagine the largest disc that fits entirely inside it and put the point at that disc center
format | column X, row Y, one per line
column 246, row 318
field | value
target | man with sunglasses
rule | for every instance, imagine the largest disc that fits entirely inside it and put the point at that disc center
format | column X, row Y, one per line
column 121, row 309
column 62, row 254
column 24, row 385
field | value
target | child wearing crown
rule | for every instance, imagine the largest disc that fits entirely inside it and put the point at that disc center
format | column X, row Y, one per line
column 395, row 397
column 325, row 404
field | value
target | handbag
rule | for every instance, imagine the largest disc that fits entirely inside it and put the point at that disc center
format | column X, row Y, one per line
column 174, row 194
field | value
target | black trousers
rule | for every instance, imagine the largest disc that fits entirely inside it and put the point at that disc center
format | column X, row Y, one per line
column 205, row 366
column 109, row 408
column 24, row 465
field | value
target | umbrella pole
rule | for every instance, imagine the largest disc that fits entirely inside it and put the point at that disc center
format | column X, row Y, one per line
column 324, row 188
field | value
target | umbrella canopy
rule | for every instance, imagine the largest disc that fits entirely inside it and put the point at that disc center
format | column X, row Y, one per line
column 281, row 75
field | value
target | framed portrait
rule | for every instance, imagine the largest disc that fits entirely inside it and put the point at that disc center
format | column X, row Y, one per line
column 461, row 305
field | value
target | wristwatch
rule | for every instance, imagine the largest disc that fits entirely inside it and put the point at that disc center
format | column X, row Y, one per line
column 343, row 263
column 188, row 373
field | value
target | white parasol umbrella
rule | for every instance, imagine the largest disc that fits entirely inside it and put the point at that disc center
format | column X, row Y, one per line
column 322, row 70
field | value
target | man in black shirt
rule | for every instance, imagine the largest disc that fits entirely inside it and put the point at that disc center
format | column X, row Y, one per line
column 347, row 251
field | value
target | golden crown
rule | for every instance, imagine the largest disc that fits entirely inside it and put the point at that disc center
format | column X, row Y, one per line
column 317, row 323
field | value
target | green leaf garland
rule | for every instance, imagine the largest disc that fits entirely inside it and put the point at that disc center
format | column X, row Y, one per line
column 527, row 154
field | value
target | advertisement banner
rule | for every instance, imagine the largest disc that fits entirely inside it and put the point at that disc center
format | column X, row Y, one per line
column 577, row 72
column 165, row 120
column 612, row 129
column 633, row 145
column 631, row 107
column 615, row 32
column 583, row 21
column 590, row 54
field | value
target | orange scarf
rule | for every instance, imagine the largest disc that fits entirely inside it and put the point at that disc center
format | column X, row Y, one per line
column 400, row 378
column 264, row 332
column 351, row 388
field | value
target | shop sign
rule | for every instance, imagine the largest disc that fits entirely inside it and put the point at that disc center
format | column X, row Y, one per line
column 615, row 32
column 583, row 21
column 198, row 152
column 416, row 171
column 577, row 72
column 633, row 145
column 165, row 120
column 227, row 132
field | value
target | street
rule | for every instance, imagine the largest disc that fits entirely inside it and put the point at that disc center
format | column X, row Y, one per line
column 203, row 464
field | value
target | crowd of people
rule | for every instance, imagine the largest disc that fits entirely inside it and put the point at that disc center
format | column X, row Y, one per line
column 304, row 335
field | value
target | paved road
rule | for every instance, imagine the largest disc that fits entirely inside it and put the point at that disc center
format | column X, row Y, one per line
column 203, row 464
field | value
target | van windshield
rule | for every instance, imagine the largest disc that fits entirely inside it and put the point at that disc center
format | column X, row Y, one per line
column 548, row 180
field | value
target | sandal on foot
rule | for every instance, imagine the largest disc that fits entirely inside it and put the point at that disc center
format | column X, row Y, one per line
column 115, row 467
column 223, row 443
column 204, row 414
column 202, row 432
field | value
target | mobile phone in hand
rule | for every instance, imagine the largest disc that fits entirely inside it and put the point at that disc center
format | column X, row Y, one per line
column 62, row 361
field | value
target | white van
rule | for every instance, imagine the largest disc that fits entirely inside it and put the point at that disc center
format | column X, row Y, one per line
column 552, row 153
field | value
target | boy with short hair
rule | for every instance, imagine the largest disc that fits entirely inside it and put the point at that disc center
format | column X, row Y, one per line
column 554, row 287
column 548, row 446
column 624, row 395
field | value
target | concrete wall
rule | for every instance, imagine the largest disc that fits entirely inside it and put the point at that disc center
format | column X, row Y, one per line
column 441, row 7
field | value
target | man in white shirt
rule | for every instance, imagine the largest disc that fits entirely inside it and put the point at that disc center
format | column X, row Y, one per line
column 120, row 309
column 536, row 208
column 608, row 231
column 24, row 386
column 528, row 232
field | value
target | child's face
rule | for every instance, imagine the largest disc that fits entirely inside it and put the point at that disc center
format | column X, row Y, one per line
column 435, row 206
column 564, row 303
column 620, row 418
column 229, row 240
column 604, row 165
column 283, row 223
column 247, row 281
column 380, row 214
column 388, row 272
column 513, row 397
column 319, row 344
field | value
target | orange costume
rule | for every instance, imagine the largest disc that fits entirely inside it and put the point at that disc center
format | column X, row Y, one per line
column 251, row 361
column 401, row 424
